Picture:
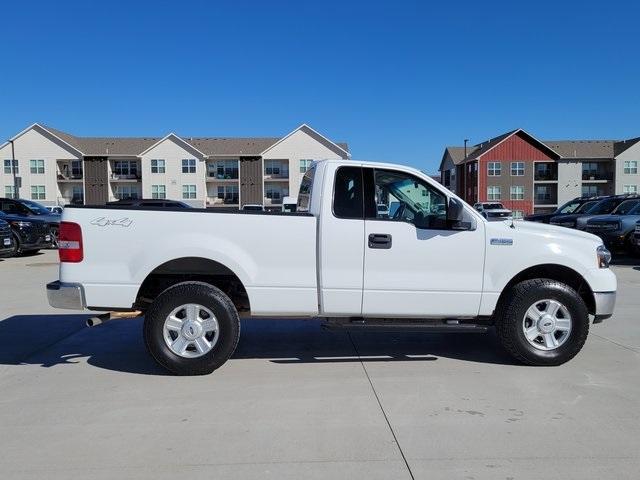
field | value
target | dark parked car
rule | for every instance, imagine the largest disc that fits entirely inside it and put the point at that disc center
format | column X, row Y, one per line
column 577, row 205
column 603, row 207
column 636, row 237
column 6, row 240
column 30, row 234
column 28, row 209
column 141, row 202
column 617, row 230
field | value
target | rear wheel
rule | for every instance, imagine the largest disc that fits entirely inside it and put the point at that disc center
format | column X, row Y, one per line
column 542, row 322
column 191, row 328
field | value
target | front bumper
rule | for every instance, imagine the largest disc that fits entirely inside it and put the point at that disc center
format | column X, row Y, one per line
column 612, row 240
column 605, row 303
column 69, row 296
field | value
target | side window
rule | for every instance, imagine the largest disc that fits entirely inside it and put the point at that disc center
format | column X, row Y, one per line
column 409, row 199
column 347, row 193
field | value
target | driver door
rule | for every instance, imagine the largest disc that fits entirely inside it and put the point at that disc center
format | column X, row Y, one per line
column 415, row 264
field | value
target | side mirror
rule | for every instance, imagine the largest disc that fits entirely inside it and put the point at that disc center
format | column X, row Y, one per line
column 454, row 211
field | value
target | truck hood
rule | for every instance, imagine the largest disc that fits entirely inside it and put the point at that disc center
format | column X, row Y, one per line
column 543, row 230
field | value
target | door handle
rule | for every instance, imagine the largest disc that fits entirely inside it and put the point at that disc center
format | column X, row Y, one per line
column 379, row 240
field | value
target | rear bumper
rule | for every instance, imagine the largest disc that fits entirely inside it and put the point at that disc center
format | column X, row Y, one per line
column 69, row 296
column 605, row 303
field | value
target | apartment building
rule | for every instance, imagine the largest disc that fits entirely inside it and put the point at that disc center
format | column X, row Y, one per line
column 57, row 168
column 534, row 176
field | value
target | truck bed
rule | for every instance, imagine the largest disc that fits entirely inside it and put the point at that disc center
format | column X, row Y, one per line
column 273, row 254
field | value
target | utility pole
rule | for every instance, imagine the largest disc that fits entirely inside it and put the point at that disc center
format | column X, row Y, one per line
column 464, row 171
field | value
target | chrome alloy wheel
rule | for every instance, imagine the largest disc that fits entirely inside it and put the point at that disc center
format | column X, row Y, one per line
column 191, row 330
column 547, row 324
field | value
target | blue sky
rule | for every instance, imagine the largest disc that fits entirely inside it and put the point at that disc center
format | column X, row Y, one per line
column 398, row 80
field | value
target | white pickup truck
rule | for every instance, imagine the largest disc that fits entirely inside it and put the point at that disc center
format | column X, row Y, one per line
column 430, row 263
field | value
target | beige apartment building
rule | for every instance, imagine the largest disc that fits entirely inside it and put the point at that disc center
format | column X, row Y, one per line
column 58, row 168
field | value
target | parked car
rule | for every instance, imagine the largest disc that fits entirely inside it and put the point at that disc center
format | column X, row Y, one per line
column 493, row 211
column 30, row 234
column 536, row 284
column 636, row 237
column 617, row 230
column 29, row 210
column 56, row 209
column 577, row 205
column 579, row 220
column 6, row 240
column 253, row 208
column 146, row 202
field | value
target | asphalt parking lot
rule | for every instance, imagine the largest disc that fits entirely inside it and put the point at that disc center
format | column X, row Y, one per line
column 300, row 402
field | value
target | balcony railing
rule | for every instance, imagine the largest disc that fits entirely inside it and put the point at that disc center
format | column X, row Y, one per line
column 545, row 200
column 595, row 176
column 546, row 176
column 126, row 176
column 223, row 176
column 69, row 177
column 277, row 176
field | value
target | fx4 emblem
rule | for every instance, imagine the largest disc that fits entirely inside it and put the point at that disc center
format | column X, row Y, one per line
column 105, row 222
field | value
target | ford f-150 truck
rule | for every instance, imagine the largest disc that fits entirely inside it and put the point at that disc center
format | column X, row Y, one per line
column 435, row 264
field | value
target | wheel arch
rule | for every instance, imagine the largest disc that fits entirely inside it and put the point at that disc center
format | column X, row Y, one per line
column 192, row 268
column 560, row 273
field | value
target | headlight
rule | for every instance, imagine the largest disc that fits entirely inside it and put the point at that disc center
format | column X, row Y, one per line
column 21, row 224
column 604, row 256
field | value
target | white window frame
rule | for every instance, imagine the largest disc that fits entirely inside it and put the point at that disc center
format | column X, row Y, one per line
column 630, row 189
column 125, row 192
column 494, row 169
column 189, row 165
column 515, row 167
column 630, row 170
column 36, row 166
column 494, row 193
column 516, row 192
column 158, row 165
column 305, row 164
column 38, row 192
column 10, row 191
column 159, row 192
column 127, row 168
column 7, row 167
column 189, row 193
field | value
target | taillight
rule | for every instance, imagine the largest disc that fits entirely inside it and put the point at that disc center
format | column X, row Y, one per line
column 70, row 242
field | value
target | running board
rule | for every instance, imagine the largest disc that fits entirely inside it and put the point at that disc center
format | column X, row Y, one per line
column 400, row 325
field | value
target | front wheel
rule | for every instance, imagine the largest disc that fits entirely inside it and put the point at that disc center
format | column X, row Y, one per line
column 191, row 328
column 542, row 322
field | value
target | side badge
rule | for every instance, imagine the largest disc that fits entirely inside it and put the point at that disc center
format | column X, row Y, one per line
column 501, row 241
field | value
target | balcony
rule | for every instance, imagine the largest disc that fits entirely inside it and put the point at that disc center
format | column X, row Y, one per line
column 62, row 178
column 222, row 177
column 546, row 172
column 125, row 177
column 597, row 176
column 225, row 201
column 69, row 171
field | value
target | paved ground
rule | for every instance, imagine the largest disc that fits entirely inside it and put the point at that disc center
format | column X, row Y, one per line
column 298, row 402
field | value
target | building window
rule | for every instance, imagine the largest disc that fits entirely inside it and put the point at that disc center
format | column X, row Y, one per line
column 517, row 169
column 36, row 166
column 493, row 193
column 630, row 166
column 630, row 189
column 126, row 192
column 543, row 193
column 276, row 168
column 158, row 191
column 517, row 192
column 188, row 191
column 591, row 190
column 223, row 169
column 157, row 165
column 9, row 191
column 38, row 192
column 305, row 164
column 494, row 169
column 228, row 194
column 189, row 165
column 276, row 192
column 7, row 167
column 77, row 195
column 76, row 168
column 518, row 214
column 125, row 168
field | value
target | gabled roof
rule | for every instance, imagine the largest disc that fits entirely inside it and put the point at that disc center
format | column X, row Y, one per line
column 624, row 145
column 207, row 146
column 344, row 150
column 582, row 148
column 177, row 140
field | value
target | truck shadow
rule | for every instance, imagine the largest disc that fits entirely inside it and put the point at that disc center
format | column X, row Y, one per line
column 51, row 340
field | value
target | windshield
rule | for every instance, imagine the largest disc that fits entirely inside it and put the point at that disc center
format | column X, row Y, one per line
column 35, row 207
column 603, row 206
column 625, row 207
column 492, row 206
column 570, row 207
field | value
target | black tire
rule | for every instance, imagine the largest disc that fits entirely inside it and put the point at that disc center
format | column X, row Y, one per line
column 207, row 296
column 511, row 311
column 17, row 250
